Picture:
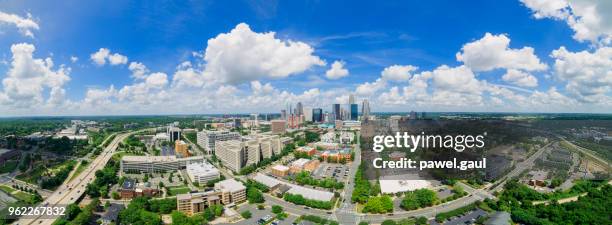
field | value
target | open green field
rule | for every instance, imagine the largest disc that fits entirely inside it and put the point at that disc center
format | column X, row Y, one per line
column 7, row 189
column 178, row 190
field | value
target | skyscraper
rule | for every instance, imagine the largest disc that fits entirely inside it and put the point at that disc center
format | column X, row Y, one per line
column 365, row 109
column 308, row 114
column 336, row 112
column 354, row 111
column 283, row 114
column 317, row 115
column 299, row 108
column 351, row 99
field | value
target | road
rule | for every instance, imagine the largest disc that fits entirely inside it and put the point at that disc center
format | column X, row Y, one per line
column 70, row 192
column 345, row 214
column 518, row 169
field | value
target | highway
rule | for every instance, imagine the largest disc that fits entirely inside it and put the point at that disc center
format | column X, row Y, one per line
column 70, row 192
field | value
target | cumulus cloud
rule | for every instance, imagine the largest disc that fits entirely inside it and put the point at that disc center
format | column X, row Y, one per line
column 588, row 74
column 243, row 55
column 398, row 72
column 494, row 52
column 138, row 69
column 103, row 55
column 591, row 20
column 520, row 78
column 26, row 26
column 28, row 78
column 337, row 71
column 74, row 59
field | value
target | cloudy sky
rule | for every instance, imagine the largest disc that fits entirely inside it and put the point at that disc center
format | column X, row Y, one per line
column 170, row 57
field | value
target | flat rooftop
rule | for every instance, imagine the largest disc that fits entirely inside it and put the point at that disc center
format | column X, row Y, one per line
column 231, row 185
column 161, row 158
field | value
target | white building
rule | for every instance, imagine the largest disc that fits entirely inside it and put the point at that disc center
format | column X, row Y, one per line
column 202, row 172
column 207, row 139
column 150, row 164
column 236, row 154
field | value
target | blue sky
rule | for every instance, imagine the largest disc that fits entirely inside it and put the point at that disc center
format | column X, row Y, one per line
column 366, row 37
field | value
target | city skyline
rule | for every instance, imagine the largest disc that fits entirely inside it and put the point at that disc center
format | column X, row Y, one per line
column 181, row 58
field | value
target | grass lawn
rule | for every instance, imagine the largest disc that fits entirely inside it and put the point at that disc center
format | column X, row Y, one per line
column 82, row 166
column 9, row 166
column 26, row 197
column 7, row 189
column 178, row 190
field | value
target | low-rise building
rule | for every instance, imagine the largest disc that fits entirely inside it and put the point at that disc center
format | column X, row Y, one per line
column 300, row 165
column 310, row 151
column 130, row 189
column 225, row 192
column 280, row 170
column 326, row 145
column 202, row 172
column 151, row 164
column 337, row 155
column 111, row 214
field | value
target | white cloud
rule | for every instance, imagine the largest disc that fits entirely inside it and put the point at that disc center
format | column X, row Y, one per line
column 103, row 55
column 588, row 74
column 520, row 78
column 591, row 20
column 398, row 72
column 24, row 25
column 337, row 71
column 138, row 69
column 74, row 59
column 370, row 88
column 493, row 52
column 28, row 78
column 243, row 55
column 116, row 59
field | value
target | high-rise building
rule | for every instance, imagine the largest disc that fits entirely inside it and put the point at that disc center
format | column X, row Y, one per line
column 354, row 111
column 236, row 154
column 181, row 148
column 336, row 112
column 413, row 115
column 308, row 114
column 317, row 115
column 365, row 109
column 283, row 114
column 207, row 139
column 174, row 133
column 299, row 108
column 351, row 99
column 277, row 126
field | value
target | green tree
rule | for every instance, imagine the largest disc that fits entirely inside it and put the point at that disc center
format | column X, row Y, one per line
column 246, row 214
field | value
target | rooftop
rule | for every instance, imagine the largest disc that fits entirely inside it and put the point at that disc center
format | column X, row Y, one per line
column 230, row 185
column 202, row 168
column 280, row 167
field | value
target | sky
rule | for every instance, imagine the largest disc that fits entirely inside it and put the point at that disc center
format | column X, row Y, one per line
column 205, row 57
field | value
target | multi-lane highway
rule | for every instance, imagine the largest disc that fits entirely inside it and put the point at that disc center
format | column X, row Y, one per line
column 71, row 191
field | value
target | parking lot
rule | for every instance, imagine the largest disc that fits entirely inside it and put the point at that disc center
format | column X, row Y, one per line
column 339, row 172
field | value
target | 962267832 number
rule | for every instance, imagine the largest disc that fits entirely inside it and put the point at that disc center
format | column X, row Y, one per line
column 37, row 211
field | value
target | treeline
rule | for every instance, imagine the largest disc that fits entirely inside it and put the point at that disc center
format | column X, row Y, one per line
column 300, row 200
column 594, row 208
column 381, row 204
column 420, row 198
column 51, row 182
column 305, row 178
column 104, row 178
column 77, row 216
column 363, row 189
